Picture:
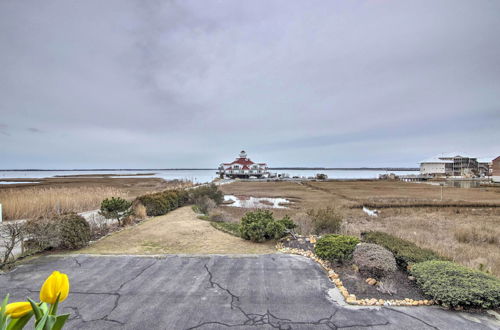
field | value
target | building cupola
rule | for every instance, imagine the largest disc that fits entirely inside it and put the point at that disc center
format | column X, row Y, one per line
column 243, row 154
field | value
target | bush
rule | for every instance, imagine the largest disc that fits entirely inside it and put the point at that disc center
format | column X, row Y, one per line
column 288, row 223
column 67, row 231
column 163, row 202
column 260, row 225
column 205, row 204
column 42, row 234
column 327, row 220
column 211, row 191
column 405, row 252
column 116, row 208
column 335, row 247
column 11, row 234
column 74, row 231
column 454, row 285
column 373, row 259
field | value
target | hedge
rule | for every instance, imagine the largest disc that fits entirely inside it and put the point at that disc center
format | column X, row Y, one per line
column 163, row 202
column 454, row 285
column 405, row 252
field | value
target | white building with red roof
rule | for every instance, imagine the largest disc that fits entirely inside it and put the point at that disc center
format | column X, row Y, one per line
column 242, row 167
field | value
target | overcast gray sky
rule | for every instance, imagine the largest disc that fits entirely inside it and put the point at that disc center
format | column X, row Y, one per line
column 156, row 84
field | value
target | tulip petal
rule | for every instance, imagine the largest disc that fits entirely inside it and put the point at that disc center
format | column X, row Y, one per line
column 18, row 309
column 57, row 283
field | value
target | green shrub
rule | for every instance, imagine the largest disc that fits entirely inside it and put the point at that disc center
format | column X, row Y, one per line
column 288, row 223
column 335, row 247
column 454, row 285
column 211, row 191
column 74, row 231
column 163, row 202
column 405, row 252
column 116, row 208
column 327, row 220
column 260, row 225
column 275, row 230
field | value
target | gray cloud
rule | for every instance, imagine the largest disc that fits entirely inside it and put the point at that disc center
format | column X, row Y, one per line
column 3, row 129
column 189, row 83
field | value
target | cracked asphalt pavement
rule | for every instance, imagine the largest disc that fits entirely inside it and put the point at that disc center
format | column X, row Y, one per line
column 274, row 291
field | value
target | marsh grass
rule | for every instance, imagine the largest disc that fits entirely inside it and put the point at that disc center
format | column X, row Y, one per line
column 467, row 235
column 37, row 202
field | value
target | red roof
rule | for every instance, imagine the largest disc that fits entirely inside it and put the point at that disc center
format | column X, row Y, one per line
column 242, row 161
column 246, row 167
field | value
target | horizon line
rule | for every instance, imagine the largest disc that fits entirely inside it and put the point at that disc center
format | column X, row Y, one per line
column 397, row 168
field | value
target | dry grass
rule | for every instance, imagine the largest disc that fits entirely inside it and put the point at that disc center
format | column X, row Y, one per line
column 140, row 211
column 475, row 246
column 179, row 231
column 31, row 203
column 74, row 194
column 467, row 235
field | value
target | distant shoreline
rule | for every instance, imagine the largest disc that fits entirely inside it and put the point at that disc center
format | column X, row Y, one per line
column 395, row 169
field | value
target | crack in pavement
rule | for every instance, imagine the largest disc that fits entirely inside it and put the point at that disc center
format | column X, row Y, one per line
column 117, row 296
column 77, row 262
column 254, row 319
column 413, row 317
column 115, row 293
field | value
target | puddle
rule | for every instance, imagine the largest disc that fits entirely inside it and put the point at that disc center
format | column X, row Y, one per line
column 255, row 202
column 17, row 182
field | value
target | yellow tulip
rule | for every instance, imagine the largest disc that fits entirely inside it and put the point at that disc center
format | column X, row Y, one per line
column 57, row 283
column 18, row 309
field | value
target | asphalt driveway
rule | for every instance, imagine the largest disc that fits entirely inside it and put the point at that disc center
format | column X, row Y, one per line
column 273, row 291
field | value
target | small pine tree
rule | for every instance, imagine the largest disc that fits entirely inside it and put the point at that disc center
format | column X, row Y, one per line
column 116, row 208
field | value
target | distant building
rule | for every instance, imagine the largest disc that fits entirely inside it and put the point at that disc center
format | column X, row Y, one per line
column 242, row 167
column 485, row 166
column 452, row 164
column 495, row 169
column 436, row 167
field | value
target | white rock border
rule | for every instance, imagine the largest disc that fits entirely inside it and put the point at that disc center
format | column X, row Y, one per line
column 350, row 298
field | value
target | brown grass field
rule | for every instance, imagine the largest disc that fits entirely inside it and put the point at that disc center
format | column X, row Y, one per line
column 468, row 235
column 72, row 194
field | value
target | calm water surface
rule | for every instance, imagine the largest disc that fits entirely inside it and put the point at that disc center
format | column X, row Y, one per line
column 199, row 176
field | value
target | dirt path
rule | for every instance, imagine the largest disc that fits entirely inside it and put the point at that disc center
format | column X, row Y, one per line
column 176, row 232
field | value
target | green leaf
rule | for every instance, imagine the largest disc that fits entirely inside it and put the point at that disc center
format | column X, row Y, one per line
column 60, row 320
column 41, row 322
column 3, row 316
column 36, row 309
column 53, row 308
column 17, row 324
column 51, row 320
